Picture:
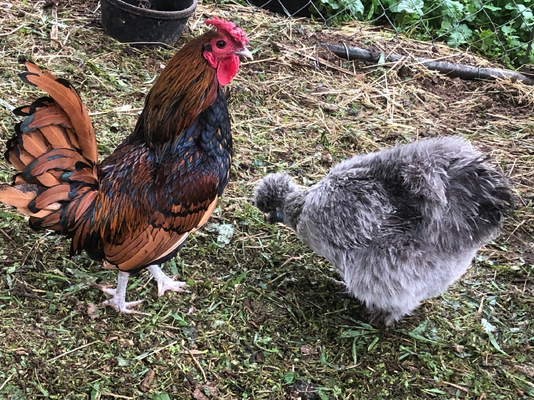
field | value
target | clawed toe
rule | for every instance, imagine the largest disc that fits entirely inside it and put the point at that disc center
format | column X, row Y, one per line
column 107, row 290
column 118, row 294
column 165, row 283
column 118, row 299
column 124, row 307
column 169, row 284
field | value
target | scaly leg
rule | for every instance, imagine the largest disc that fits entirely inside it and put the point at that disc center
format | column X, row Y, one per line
column 164, row 282
column 118, row 301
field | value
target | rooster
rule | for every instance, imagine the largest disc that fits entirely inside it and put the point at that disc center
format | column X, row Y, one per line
column 136, row 208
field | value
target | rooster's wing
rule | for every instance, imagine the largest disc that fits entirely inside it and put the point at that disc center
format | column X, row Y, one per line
column 164, row 198
column 164, row 234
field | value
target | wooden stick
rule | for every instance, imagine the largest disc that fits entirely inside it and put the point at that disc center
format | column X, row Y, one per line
column 13, row 31
column 72, row 351
column 7, row 380
column 54, row 43
column 290, row 49
column 198, row 365
column 445, row 67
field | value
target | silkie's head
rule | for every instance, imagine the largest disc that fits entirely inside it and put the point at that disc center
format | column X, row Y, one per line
column 223, row 49
column 271, row 193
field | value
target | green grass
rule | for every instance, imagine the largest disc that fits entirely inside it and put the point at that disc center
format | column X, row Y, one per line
column 262, row 319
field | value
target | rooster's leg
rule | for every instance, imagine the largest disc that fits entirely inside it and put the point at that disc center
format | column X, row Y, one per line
column 164, row 282
column 118, row 301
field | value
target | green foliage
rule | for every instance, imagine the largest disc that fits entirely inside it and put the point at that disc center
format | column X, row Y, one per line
column 341, row 10
column 499, row 29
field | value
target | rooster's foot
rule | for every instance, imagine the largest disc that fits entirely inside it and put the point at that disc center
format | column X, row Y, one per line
column 118, row 301
column 165, row 283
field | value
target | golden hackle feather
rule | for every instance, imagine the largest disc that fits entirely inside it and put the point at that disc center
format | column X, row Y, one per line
column 76, row 212
column 83, row 203
column 162, row 117
column 81, row 231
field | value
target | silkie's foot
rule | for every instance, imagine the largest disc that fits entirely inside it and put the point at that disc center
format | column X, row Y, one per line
column 380, row 316
column 165, row 283
column 118, row 301
column 387, row 317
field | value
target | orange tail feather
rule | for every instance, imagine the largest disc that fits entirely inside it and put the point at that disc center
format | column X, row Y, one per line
column 55, row 151
column 67, row 98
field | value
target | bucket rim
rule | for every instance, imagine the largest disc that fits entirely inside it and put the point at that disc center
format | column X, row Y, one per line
column 156, row 14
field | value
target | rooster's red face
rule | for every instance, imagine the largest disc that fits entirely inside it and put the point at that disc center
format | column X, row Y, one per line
column 223, row 51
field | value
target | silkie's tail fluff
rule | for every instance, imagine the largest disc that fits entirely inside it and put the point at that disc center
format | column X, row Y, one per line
column 54, row 150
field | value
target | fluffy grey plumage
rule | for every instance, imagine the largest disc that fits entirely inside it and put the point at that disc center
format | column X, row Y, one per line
column 400, row 225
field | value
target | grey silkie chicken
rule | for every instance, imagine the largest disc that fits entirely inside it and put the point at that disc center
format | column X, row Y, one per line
column 400, row 225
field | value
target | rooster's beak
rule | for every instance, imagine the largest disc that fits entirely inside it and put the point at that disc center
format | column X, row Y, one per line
column 244, row 52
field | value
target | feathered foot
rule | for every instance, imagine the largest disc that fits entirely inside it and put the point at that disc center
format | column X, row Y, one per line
column 387, row 317
column 377, row 316
column 118, row 301
column 164, row 282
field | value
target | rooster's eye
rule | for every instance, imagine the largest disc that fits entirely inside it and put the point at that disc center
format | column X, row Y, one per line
column 220, row 44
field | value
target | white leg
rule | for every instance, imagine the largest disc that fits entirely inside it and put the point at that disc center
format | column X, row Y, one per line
column 118, row 301
column 164, row 282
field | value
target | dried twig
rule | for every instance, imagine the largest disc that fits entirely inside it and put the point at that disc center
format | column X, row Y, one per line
column 445, row 67
column 54, row 43
column 315, row 58
column 13, row 31
column 198, row 365
column 72, row 351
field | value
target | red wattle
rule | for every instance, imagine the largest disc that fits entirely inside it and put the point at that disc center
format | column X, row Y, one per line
column 227, row 69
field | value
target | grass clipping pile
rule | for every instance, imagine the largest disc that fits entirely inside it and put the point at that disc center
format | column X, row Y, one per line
column 263, row 320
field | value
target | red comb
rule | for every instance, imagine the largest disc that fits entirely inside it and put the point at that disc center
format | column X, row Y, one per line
column 230, row 28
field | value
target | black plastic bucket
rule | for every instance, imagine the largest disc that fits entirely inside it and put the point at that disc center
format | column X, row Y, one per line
column 143, row 22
